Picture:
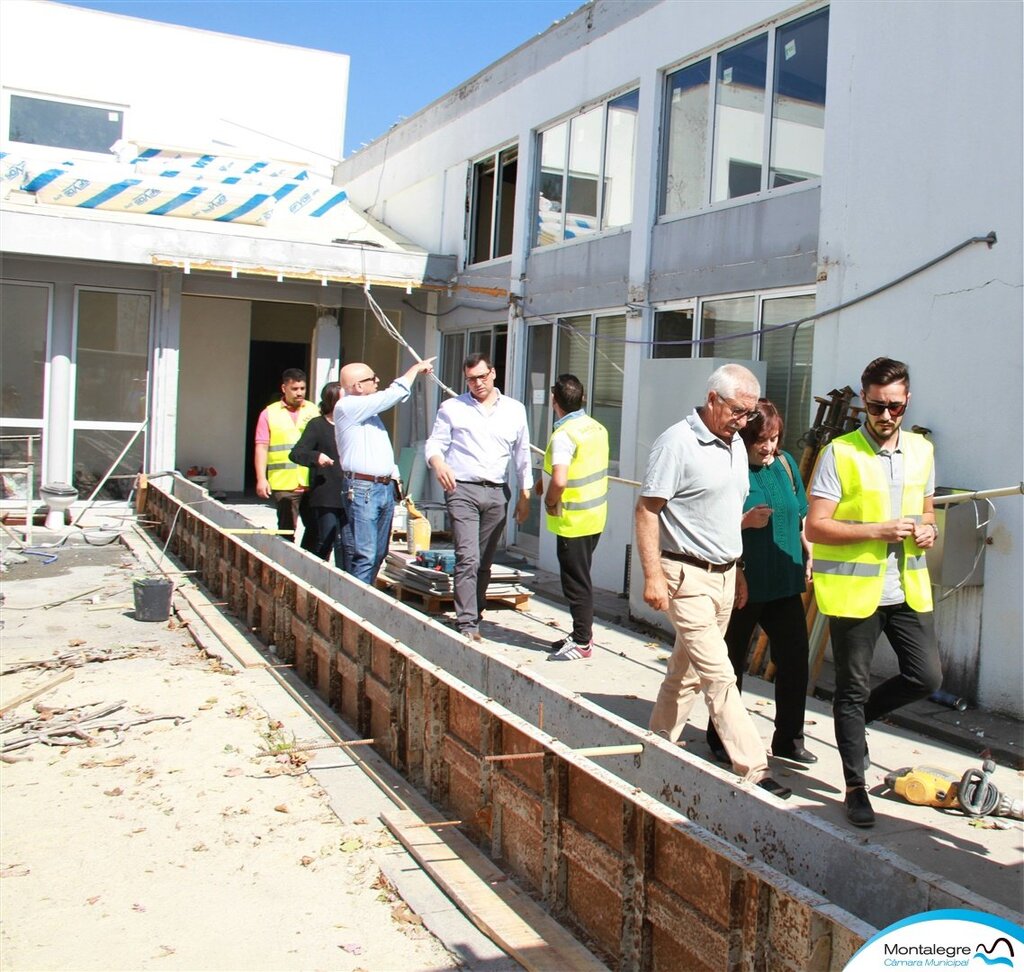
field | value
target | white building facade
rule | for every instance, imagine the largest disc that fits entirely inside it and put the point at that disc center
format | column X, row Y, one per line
column 648, row 187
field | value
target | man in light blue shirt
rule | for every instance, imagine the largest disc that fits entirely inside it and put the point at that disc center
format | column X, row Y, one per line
column 475, row 436
column 368, row 463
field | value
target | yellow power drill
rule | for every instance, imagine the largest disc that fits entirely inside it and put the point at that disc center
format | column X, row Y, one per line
column 973, row 793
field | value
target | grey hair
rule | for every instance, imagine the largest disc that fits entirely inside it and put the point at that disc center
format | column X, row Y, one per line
column 733, row 379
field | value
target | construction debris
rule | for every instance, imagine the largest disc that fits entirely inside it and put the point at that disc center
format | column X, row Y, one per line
column 78, row 726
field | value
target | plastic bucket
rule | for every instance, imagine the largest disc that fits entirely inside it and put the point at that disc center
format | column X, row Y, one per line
column 418, row 535
column 152, row 598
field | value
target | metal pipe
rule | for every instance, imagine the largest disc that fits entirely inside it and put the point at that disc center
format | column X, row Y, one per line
column 978, row 494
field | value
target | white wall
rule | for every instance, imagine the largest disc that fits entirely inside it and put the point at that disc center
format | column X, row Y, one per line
column 212, row 387
column 162, row 76
column 922, row 151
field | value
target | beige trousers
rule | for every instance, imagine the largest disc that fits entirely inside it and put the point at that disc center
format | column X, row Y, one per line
column 700, row 603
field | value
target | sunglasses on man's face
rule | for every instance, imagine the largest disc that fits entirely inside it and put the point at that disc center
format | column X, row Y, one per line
column 895, row 409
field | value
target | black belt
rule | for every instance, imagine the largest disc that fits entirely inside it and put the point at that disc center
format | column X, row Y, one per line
column 366, row 478
column 697, row 562
column 480, row 482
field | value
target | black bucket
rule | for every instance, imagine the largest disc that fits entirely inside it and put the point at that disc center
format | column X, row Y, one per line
column 152, row 598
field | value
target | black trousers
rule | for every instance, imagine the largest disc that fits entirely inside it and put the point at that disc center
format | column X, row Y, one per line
column 912, row 636
column 293, row 508
column 784, row 621
column 575, row 554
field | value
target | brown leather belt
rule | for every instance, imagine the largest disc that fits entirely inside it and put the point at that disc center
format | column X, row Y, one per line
column 366, row 478
column 697, row 562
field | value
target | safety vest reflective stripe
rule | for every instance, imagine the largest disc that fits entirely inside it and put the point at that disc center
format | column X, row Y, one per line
column 282, row 473
column 849, row 578
column 585, row 497
column 587, row 480
column 584, row 504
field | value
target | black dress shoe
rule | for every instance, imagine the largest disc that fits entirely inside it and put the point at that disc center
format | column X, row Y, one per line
column 795, row 754
column 858, row 808
column 775, row 788
column 720, row 755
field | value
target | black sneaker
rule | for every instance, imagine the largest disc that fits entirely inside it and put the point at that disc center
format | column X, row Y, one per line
column 858, row 808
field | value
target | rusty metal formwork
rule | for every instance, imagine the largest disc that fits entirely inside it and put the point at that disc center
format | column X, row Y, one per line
column 659, row 860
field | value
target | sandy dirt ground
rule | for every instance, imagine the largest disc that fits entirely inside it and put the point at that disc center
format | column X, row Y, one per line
column 170, row 844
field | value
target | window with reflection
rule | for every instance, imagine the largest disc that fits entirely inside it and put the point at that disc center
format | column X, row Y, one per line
column 684, row 185
column 798, row 105
column 788, row 381
column 493, row 206
column 112, row 356
column 24, row 319
column 768, row 99
column 64, row 124
column 721, row 323
column 587, row 172
column 739, row 120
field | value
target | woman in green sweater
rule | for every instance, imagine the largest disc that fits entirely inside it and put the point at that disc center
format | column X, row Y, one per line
column 777, row 566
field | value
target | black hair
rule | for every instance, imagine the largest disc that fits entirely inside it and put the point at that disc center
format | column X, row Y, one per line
column 329, row 396
column 568, row 392
column 292, row 374
column 885, row 371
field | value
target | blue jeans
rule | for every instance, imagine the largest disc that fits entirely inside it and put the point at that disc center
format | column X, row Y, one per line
column 367, row 531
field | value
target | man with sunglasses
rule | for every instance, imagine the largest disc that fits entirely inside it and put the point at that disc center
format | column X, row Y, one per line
column 688, row 533
column 871, row 519
column 474, row 438
column 369, row 474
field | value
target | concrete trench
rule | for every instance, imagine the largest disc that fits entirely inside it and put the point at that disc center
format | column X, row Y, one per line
column 659, row 859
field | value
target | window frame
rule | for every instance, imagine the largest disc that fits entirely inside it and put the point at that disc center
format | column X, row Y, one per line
column 600, row 228
column 760, row 298
column 510, row 153
column 770, row 30
column 41, row 425
column 71, row 100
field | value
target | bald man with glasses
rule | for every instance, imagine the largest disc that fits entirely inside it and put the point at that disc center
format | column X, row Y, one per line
column 871, row 519
column 369, row 474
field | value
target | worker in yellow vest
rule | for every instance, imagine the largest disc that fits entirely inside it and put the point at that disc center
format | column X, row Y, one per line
column 871, row 519
column 278, row 428
column 576, row 503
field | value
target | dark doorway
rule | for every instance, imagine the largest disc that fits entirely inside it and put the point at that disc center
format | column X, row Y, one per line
column 267, row 359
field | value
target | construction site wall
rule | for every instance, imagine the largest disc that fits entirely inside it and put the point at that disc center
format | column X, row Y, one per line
column 659, row 860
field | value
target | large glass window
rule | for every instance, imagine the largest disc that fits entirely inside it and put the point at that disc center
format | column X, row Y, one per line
column 776, row 78
column 111, row 382
column 684, row 185
column 24, row 319
column 721, row 320
column 586, row 173
column 493, row 206
column 456, row 346
column 673, row 334
column 788, row 382
column 594, row 349
column 64, row 124
column 798, row 107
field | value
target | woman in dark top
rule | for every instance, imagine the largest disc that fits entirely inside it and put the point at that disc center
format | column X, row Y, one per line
column 318, row 450
column 776, row 567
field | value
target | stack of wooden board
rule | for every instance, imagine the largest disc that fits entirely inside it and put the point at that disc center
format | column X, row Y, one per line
column 402, row 571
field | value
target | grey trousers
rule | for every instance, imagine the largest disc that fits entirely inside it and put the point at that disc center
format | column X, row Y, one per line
column 477, row 515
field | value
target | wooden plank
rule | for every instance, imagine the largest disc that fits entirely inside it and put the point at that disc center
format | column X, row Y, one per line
column 32, row 693
column 506, row 915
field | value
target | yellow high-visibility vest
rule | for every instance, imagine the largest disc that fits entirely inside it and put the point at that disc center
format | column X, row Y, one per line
column 282, row 473
column 585, row 498
column 849, row 578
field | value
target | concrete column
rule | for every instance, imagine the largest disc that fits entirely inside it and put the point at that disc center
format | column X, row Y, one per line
column 326, row 353
column 163, row 399
column 60, row 407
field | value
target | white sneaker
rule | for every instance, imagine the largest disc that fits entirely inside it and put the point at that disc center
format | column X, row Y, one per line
column 570, row 651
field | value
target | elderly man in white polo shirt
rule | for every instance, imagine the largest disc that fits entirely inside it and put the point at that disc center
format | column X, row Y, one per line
column 688, row 523
column 474, row 438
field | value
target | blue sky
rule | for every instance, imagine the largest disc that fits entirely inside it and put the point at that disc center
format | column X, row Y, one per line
column 404, row 53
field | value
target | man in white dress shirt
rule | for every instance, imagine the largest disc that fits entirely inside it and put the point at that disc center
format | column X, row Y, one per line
column 473, row 439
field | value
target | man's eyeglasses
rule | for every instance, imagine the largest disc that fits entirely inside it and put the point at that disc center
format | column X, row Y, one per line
column 372, row 378
column 481, row 377
column 895, row 409
column 738, row 411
